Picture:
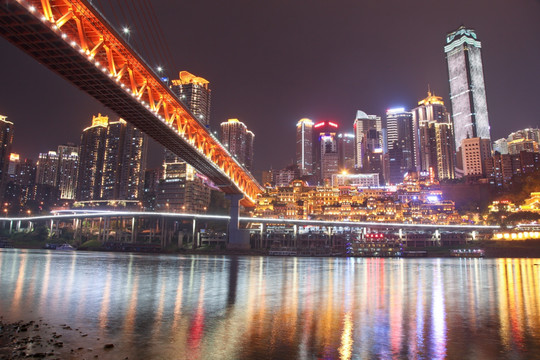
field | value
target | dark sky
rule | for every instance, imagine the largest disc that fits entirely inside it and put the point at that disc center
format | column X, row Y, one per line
column 271, row 63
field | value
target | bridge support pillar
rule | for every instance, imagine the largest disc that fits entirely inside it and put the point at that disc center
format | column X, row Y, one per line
column 238, row 239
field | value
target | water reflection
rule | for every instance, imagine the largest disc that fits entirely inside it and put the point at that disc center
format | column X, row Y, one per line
column 256, row 307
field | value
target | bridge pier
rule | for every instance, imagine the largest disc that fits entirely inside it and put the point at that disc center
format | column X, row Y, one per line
column 238, row 239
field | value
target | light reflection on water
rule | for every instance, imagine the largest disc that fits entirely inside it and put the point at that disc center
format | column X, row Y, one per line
column 220, row 307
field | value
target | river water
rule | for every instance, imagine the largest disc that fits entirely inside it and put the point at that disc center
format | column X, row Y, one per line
column 225, row 307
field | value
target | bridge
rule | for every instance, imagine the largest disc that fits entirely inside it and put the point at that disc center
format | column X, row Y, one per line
column 73, row 39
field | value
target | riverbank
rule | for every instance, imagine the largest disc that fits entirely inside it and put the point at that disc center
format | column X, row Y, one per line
column 492, row 249
column 39, row 340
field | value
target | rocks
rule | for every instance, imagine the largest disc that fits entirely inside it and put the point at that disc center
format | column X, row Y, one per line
column 108, row 346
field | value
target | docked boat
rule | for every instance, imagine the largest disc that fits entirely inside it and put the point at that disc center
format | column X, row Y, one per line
column 65, row 247
column 468, row 253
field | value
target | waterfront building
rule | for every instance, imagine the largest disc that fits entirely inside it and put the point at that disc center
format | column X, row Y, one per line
column 346, row 145
column 434, row 140
column 112, row 161
column 91, row 155
column 368, row 134
column 68, row 165
column 236, row 138
column 501, row 169
column 285, row 176
column 400, row 133
column 304, row 146
column 6, row 140
column 474, row 153
column 467, row 89
column 124, row 162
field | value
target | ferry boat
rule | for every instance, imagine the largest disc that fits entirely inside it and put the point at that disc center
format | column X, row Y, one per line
column 468, row 253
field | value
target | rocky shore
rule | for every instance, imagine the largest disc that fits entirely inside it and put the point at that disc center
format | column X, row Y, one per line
column 40, row 340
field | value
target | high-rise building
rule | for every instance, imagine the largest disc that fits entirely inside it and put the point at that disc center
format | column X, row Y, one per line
column 400, row 137
column 6, row 139
column 362, row 125
column 434, row 140
column 467, row 89
column 304, row 146
column 68, row 165
column 346, row 146
column 474, row 153
column 124, row 162
column 47, row 168
column 112, row 161
column 91, row 155
column 194, row 92
column 14, row 161
column 523, row 140
column 236, row 138
column 181, row 189
column 325, row 150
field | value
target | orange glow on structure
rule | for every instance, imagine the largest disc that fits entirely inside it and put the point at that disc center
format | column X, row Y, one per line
column 185, row 77
column 115, row 75
column 14, row 157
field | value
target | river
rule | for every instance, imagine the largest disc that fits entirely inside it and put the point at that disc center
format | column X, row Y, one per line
column 229, row 307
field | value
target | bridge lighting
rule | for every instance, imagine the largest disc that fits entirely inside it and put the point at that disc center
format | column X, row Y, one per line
column 64, row 35
column 159, row 69
column 32, row 8
column 73, row 43
column 43, row 18
column 97, row 63
column 125, row 30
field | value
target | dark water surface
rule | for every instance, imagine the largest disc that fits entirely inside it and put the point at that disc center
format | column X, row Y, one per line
column 224, row 307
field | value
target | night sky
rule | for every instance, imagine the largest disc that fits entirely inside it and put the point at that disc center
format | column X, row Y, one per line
column 271, row 63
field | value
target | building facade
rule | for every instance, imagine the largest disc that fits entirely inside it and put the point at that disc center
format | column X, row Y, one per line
column 474, row 153
column 6, row 140
column 304, row 146
column 400, row 137
column 467, row 89
column 368, row 138
column 434, row 138
column 236, row 138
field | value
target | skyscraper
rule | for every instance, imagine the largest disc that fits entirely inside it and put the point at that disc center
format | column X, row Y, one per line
column 68, row 165
column 6, row 139
column 236, row 138
column 434, row 140
column 346, row 158
column 467, row 90
column 112, row 161
column 304, row 146
column 47, row 168
column 475, row 152
column 365, row 140
column 194, row 92
column 325, row 150
column 401, row 152
column 124, row 162
column 91, row 156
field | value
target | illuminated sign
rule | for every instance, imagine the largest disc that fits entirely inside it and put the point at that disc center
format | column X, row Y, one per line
column 319, row 125
column 332, row 124
column 14, row 157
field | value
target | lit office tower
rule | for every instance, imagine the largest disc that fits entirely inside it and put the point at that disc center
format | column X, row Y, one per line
column 6, row 139
column 304, row 146
column 193, row 91
column 346, row 145
column 434, row 141
column 68, row 164
column 238, row 140
column 124, row 162
column 47, row 168
column 14, row 161
column 399, row 125
column 91, row 156
column 467, row 90
column 366, row 140
column 325, row 148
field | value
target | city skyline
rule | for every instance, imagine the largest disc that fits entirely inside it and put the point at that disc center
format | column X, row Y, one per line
column 246, row 89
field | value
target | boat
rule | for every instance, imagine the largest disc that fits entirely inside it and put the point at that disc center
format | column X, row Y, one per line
column 65, row 247
column 468, row 253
